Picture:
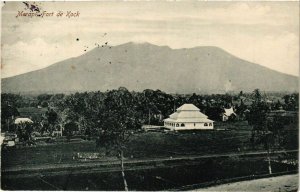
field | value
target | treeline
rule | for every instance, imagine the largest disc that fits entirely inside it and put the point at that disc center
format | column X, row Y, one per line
column 90, row 112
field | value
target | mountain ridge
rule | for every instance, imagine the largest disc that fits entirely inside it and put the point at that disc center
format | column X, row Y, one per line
column 184, row 70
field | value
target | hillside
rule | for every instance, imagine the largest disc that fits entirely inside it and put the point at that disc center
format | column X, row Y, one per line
column 146, row 66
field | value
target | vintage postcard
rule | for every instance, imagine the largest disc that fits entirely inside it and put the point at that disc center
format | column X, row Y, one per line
column 149, row 95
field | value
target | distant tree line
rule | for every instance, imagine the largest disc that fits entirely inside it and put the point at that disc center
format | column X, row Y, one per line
column 90, row 112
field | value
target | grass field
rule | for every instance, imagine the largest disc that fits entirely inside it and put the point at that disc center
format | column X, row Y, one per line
column 141, row 145
column 144, row 145
column 154, row 144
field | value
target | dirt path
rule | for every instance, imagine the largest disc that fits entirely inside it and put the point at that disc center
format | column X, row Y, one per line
column 286, row 183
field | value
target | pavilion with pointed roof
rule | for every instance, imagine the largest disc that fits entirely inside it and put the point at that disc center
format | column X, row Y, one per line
column 187, row 117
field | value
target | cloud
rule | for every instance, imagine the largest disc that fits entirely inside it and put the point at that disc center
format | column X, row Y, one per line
column 23, row 57
column 279, row 52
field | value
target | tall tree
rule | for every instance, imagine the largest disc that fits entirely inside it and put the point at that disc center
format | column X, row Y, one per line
column 118, row 120
column 8, row 113
column 24, row 130
column 258, row 119
column 291, row 102
column 51, row 119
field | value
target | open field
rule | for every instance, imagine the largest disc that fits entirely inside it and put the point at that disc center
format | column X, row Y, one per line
column 141, row 145
column 153, row 161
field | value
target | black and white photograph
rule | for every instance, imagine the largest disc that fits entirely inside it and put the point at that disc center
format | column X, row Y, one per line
column 150, row 96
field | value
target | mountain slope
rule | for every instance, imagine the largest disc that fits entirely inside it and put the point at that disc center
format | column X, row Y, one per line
column 141, row 66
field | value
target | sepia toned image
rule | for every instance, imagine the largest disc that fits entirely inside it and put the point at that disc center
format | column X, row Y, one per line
column 150, row 96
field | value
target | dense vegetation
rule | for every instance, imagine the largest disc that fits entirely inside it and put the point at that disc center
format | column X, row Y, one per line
column 89, row 113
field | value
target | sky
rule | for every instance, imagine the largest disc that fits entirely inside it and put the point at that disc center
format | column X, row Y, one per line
column 266, row 33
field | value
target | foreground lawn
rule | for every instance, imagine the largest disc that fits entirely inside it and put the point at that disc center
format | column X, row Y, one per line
column 211, row 171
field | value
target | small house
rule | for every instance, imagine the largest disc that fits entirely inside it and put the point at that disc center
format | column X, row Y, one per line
column 21, row 120
column 229, row 113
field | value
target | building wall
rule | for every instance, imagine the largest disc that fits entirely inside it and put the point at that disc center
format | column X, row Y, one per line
column 185, row 126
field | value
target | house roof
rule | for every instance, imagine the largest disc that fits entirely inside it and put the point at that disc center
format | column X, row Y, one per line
column 188, row 113
column 229, row 112
column 32, row 112
column 23, row 120
column 188, row 107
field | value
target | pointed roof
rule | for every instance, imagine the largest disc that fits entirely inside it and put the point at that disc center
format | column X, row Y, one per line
column 188, row 113
column 188, row 107
column 229, row 111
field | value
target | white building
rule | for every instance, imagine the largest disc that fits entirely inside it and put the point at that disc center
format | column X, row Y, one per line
column 228, row 112
column 187, row 117
column 23, row 120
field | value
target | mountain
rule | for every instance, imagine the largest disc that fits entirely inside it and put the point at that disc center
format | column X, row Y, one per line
column 146, row 66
